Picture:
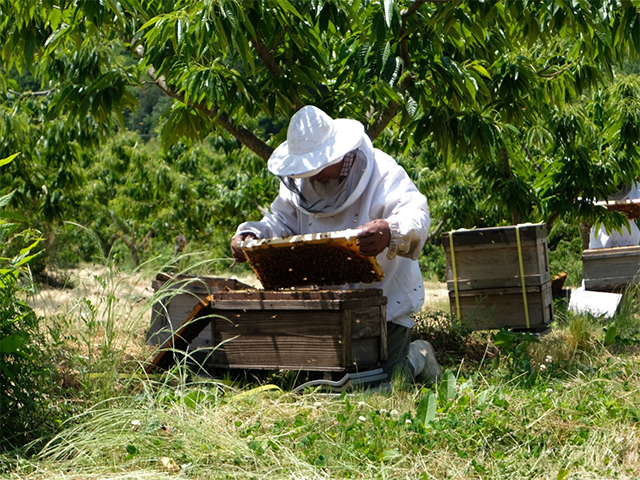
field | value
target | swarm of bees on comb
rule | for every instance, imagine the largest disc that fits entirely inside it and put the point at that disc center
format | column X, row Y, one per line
column 322, row 261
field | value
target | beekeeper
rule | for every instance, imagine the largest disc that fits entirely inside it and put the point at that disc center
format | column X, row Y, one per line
column 332, row 178
column 629, row 235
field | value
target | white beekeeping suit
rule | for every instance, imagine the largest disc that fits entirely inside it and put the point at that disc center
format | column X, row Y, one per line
column 628, row 236
column 366, row 186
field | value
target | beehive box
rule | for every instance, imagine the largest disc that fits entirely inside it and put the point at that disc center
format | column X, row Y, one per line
column 490, row 258
column 176, row 298
column 631, row 208
column 330, row 258
column 317, row 330
column 496, row 308
column 611, row 269
column 491, row 266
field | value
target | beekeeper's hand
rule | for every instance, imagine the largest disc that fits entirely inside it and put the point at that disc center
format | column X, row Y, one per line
column 236, row 251
column 373, row 237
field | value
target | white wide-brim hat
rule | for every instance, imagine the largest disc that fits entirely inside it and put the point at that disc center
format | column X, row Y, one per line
column 314, row 141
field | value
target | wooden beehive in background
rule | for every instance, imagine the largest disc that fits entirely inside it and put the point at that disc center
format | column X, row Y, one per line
column 176, row 298
column 610, row 269
column 630, row 207
column 491, row 267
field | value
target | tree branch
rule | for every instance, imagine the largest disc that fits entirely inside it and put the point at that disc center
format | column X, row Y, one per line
column 272, row 66
column 541, row 73
column 244, row 136
column 436, row 231
column 392, row 109
column 42, row 93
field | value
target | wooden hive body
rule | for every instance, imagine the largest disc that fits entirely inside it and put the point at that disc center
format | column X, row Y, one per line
column 611, row 269
column 491, row 267
column 298, row 330
column 495, row 308
column 177, row 297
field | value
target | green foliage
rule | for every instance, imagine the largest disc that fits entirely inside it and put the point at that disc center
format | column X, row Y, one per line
column 565, row 252
column 25, row 373
column 516, row 347
column 142, row 199
column 529, row 124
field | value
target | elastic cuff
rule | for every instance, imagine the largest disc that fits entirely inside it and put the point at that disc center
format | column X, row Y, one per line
column 394, row 241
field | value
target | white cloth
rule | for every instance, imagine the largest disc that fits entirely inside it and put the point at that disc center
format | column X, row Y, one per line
column 385, row 191
column 627, row 237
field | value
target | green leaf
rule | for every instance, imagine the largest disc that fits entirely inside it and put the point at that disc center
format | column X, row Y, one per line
column 13, row 342
column 5, row 199
column 9, row 159
column 610, row 334
column 388, row 12
column 427, row 408
column 447, row 387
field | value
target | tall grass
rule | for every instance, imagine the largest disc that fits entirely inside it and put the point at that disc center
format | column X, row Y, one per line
column 570, row 411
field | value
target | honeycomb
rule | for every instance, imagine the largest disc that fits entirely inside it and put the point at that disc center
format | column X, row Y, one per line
column 630, row 208
column 310, row 260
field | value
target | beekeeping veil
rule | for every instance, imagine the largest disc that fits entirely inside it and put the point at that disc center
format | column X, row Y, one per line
column 314, row 142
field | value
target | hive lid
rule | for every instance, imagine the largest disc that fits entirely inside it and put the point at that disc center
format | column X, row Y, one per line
column 330, row 258
column 529, row 232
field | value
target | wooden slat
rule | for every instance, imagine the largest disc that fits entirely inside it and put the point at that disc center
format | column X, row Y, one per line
column 489, row 309
column 300, row 294
column 495, row 235
column 611, row 269
column 188, row 331
column 345, row 341
column 267, row 305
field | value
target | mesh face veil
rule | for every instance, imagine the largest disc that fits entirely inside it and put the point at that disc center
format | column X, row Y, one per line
column 315, row 198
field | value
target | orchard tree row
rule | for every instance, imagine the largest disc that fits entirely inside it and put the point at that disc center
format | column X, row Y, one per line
column 503, row 112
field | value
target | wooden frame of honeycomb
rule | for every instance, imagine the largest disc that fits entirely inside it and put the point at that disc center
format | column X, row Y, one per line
column 330, row 258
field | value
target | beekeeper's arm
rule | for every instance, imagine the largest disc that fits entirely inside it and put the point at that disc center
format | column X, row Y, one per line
column 403, row 217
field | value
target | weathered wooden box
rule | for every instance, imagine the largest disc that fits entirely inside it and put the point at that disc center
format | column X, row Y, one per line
column 490, row 257
column 176, row 298
column 496, row 308
column 486, row 271
column 317, row 330
column 610, row 269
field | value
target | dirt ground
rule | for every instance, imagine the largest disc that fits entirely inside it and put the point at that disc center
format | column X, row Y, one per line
column 93, row 283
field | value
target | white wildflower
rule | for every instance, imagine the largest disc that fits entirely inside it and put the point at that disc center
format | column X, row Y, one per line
column 383, row 411
column 477, row 413
column 543, row 367
column 317, row 405
column 548, row 359
column 394, row 413
column 549, row 390
column 362, row 419
column 249, row 437
column 361, row 404
column 135, row 424
column 408, row 421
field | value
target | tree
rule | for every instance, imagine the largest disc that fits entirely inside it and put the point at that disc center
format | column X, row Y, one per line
column 510, row 92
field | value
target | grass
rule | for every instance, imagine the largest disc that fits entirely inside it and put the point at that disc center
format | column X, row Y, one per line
column 565, row 406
